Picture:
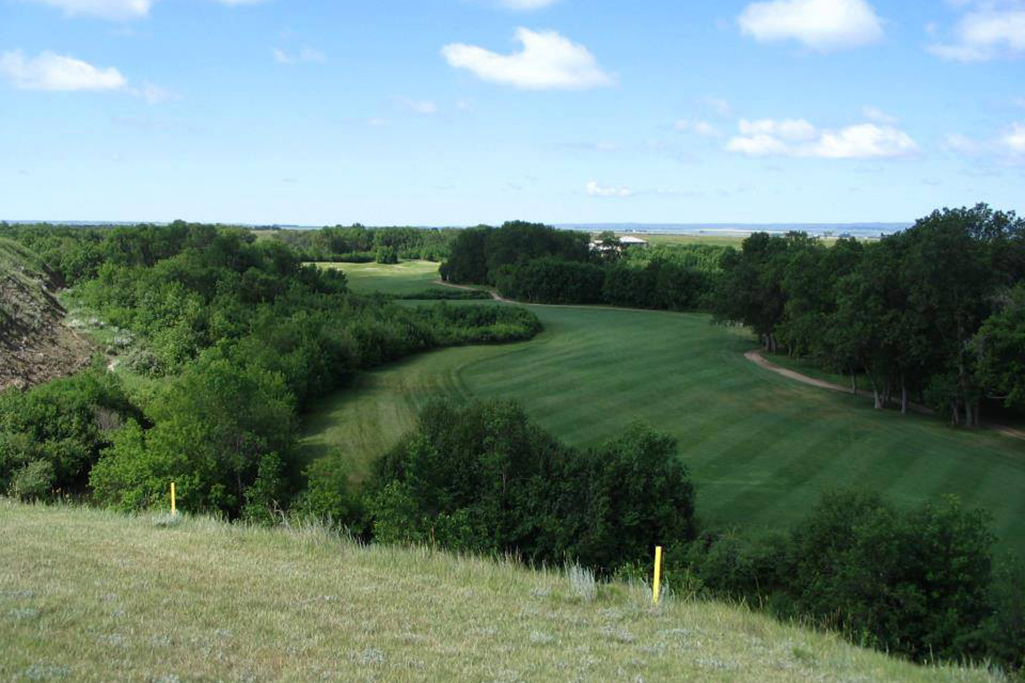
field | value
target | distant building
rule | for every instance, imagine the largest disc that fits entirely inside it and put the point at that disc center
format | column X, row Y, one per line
column 624, row 242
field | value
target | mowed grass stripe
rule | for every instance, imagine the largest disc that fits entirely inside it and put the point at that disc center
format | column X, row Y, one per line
column 760, row 447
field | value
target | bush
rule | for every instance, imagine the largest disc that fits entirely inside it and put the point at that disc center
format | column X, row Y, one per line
column 65, row 423
column 551, row 281
column 386, row 255
column 34, row 481
column 483, row 478
column 916, row 582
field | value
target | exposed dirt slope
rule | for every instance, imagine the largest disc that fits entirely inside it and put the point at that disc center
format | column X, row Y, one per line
column 35, row 343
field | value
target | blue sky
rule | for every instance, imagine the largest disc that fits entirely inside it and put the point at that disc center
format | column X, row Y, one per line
column 453, row 112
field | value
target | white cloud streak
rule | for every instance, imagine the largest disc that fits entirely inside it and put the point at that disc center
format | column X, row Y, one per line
column 702, row 128
column 116, row 10
column 58, row 73
column 596, row 190
column 547, row 61
column 307, row 55
column 822, row 25
column 526, row 5
column 990, row 30
column 799, row 138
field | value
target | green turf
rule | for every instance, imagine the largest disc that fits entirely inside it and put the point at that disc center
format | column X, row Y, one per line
column 761, row 447
column 408, row 277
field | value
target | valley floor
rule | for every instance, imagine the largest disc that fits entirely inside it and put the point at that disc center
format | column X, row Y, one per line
column 761, row 447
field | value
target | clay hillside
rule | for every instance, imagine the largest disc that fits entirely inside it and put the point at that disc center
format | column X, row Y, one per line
column 35, row 343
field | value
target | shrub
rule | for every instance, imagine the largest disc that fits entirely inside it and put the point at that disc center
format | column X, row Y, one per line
column 34, row 481
column 484, row 478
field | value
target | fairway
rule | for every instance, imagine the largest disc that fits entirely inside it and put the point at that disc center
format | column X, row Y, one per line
column 408, row 277
column 761, row 447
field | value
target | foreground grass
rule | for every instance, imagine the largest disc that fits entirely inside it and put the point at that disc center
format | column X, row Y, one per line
column 87, row 595
column 408, row 277
column 761, row 447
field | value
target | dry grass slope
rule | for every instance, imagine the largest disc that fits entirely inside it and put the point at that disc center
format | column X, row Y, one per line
column 87, row 595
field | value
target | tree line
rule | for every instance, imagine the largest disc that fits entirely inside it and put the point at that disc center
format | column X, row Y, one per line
column 933, row 314
column 360, row 244
column 535, row 263
column 225, row 339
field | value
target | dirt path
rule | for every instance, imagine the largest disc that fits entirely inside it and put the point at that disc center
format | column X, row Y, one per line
column 755, row 356
column 494, row 295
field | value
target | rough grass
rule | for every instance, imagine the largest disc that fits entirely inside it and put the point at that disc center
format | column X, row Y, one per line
column 761, row 447
column 408, row 277
column 87, row 595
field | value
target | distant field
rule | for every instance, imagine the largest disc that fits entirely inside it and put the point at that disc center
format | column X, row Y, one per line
column 91, row 596
column 761, row 447
column 727, row 240
column 408, row 277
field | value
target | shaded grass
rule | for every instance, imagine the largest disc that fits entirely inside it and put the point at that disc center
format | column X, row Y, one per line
column 87, row 595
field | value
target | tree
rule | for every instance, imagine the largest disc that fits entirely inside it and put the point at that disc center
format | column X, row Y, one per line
column 1000, row 350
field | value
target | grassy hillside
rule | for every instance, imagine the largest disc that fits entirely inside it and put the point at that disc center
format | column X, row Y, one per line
column 408, row 277
column 761, row 447
column 87, row 595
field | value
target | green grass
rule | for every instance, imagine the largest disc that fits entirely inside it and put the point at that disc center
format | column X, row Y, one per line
column 711, row 239
column 761, row 447
column 408, row 277
column 87, row 595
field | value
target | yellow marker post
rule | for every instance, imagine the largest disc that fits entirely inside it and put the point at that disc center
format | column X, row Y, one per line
column 174, row 511
column 656, row 585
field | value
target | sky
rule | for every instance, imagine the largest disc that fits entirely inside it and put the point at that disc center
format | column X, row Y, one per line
column 459, row 112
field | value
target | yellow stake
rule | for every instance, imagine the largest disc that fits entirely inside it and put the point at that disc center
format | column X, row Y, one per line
column 173, row 510
column 656, row 586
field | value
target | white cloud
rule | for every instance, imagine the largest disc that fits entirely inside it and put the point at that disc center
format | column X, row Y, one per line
column 50, row 71
column 422, row 107
column 1008, row 146
column 988, row 31
column 154, row 94
column 547, row 61
column 596, row 190
column 377, row 122
column 718, row 105
column 1014, row 140
column 878, row 115
column 702, row 128
column 526, row 4
column 116, row 10
column 799, row 138
column 822, row 25
column 963, row 144
column 790, row 130
column 306, row 55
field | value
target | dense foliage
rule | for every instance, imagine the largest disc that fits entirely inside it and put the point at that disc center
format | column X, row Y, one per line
column 53, row 434
column 929, row 313
column 240, row 336
column 919, row 582
column 479, row 253
column 359, row 244
column 483, row 478
column 538, row 264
